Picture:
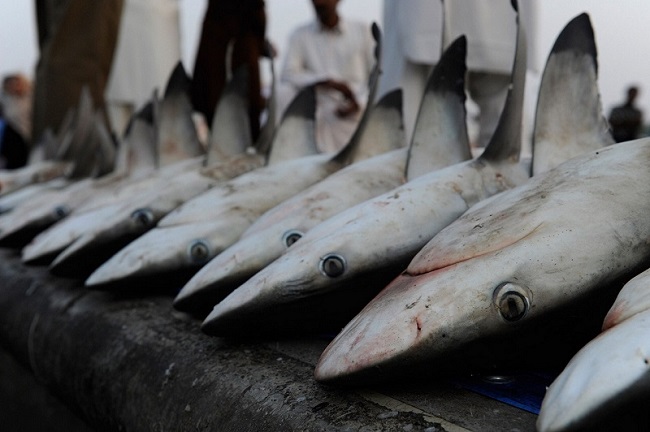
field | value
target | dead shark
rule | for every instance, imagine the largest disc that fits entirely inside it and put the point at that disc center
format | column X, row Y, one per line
column 370, row 243
column 228, row 156
column 610, row 372
column 134, row 159
column 176, row 146
column 213, row 221
column 509, row 263
column 440, row 139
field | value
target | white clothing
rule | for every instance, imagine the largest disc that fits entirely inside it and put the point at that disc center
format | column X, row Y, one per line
column 316, row 54
column 413, row 40
column 412, row 43
column 148, row 48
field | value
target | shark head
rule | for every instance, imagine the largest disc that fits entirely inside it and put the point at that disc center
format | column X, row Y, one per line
column 161, row 251
column 100, row 242
column 371, row 241
column 608, row 373
column 232, row 267
column 284, row 225
column 308, row 288
column 503, row 266
column 52, row 241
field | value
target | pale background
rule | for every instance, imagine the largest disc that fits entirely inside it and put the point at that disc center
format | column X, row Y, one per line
column 621, row 27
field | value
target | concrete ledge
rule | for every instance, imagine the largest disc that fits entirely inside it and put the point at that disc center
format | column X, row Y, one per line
column 134, row 364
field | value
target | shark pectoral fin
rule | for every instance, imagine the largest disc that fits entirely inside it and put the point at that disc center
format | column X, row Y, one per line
column 470, row 238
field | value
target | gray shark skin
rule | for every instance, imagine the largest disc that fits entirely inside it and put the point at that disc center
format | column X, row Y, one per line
column 505, row 264
column 440, row 139
column 244, row 258
column 177, row 149
column 134, row 161
column 190, row 241
column 510, row 259
column 176, row 134
column 13, row 180
column 580, row 116
column 227, row 158
column 222, row 214
column 18, row 198
column 386, row 231
column 105, row 227
column 610, row 374
column 376, row 237
column 50, row 242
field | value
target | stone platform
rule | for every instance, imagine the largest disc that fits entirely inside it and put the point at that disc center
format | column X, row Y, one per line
column 123, row 363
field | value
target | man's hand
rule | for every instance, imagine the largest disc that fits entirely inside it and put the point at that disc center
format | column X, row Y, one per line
column 350, row 105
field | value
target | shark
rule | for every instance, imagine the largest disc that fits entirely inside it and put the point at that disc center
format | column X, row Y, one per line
column 134, row 159
column 142, row 213
column 439, row 139
column 229, row 155
column 371, row 242
column 515, row 263
column 608, row 373
column 177, row 150
column 203, row 227
column 74, row 146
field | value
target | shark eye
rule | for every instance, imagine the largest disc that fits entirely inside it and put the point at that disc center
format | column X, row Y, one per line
column 332, row 265
column 290, row 237
column 61, row 211
column 512, row 301
column 143, row 217
column 199, row 251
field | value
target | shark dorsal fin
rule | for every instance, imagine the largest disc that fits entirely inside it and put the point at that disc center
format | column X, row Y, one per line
column 137, row 150
column 52, row 147
column 176, row 136
column 505, row 144
column 230, row 132
column 74, row 136
column 353, row 151
column 295, row 136
column 87, row 156
column 384, row 129
column 106, row 148
column 440, row 132
column 263, row 143
column 569, row 118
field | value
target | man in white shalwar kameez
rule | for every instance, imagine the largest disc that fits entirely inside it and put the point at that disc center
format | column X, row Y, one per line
column 148, row 48
column 337, row 55
column 413, row 44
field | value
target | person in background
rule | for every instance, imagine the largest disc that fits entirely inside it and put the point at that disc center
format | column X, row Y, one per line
column 336, row 54
column 414, row 41
column 15, row 120
column 626, row 119
column 77, row 39
column 233, row 34
column 148, row 49
column 16, row 99
column 412, row 45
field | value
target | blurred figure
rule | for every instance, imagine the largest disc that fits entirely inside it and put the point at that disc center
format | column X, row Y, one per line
column 412, row 45
column 77, row 40
column 16, row 100
column 233, row 34
column 414, row 42
column 15, row 111
column 626, row 119
column 148, row 48
column 337, row 55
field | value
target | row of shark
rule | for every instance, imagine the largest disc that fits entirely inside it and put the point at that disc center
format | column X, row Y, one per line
column 424, row 256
